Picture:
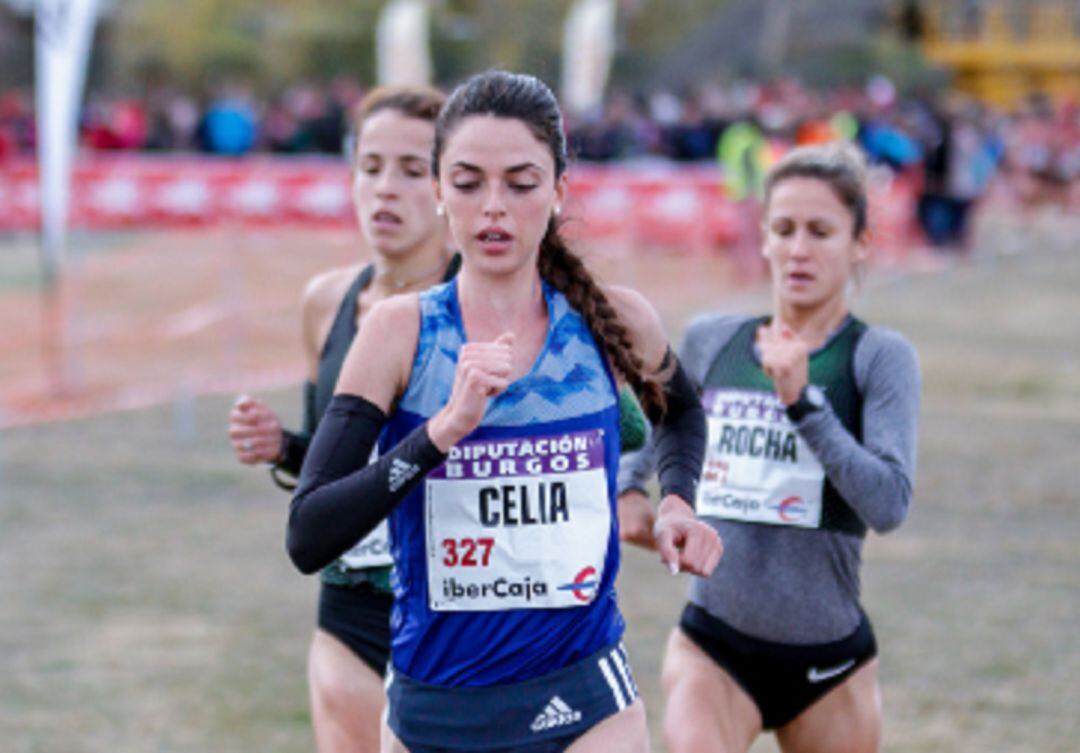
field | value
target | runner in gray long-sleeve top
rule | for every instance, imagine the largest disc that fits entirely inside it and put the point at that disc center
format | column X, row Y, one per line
column 812, row 439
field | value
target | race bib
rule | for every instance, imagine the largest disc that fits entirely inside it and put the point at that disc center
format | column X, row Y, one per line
column 757, row 467
column 518, row 523
column 372, row 551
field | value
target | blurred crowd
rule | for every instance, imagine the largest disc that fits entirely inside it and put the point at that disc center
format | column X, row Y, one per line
column 955, row 145
column 304, row 118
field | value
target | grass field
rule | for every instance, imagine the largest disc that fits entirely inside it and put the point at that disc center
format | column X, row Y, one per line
column 147, row 604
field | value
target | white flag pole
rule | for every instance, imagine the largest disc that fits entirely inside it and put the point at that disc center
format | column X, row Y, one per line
column 63, row 34
column 402, row 52
column 588, row 46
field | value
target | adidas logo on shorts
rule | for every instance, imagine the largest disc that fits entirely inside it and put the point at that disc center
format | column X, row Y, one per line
column 556, row 714
column 400, row 473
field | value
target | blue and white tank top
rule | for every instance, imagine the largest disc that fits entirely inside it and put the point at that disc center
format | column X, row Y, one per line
column 506, row 556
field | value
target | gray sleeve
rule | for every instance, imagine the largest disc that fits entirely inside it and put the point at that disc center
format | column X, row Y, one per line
column 705, row 337
column 876, row 476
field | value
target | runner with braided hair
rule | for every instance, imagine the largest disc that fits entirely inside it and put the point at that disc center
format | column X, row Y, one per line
column 494, row 403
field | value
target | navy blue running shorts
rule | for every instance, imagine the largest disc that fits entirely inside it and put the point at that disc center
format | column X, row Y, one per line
column 543, row 714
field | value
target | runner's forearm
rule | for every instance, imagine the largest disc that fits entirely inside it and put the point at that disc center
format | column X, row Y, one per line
column 680, row 439
column 340, row 498
column 875, row 476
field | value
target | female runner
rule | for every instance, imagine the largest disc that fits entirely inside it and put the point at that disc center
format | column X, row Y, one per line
column 494, row 401
column 395, row 206
column 812, row 432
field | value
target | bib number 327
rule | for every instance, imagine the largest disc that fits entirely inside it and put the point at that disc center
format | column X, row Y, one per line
column 518, row 523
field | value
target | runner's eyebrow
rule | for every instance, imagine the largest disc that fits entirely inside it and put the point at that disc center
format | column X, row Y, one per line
column 523, row 167
column 375, row 154
column 512, row 170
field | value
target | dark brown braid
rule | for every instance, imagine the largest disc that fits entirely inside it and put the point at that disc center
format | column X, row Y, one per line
column 564, row 271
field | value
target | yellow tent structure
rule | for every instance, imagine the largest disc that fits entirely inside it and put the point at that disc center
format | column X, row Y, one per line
column 1003, row 50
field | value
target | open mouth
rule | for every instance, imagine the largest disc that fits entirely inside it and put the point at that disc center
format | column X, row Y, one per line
column 494, row 236
column 384, row 217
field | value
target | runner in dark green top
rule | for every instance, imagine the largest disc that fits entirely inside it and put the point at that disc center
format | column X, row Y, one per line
column 395, row 206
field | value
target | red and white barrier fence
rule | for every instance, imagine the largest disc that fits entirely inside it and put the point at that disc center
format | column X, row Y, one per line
column 678, row 207
column 149, row 191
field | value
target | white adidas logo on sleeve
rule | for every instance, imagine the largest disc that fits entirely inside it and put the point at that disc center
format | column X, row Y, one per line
column 400, row 473
column 556, row 714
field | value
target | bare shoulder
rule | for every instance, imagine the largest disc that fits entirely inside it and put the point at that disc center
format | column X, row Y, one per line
column 643, row 323
column 324, row 291
column 633, row 308
column 379, row 361
column 394, row 317
column 320, row 302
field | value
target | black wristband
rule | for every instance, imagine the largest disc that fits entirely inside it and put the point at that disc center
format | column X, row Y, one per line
column 680, row 439
column 277, row 475
column 294, row 448
column 811, row 399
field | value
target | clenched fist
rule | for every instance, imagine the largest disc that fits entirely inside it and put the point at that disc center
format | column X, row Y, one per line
column 255, row 431
column 785, row 358
column 483, row 371
column 685, row 543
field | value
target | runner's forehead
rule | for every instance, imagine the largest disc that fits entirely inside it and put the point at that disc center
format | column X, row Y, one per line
column 390, row 133
column 806, row 199
column 495, row 145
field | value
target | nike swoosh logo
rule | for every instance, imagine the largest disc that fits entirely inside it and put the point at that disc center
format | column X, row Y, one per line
column 821, row 675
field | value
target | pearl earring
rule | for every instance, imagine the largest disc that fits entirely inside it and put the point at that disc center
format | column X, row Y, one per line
column 440, row 210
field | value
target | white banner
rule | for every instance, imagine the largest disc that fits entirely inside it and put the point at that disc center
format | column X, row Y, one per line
column 401, row 43
column 588, row 45
column 63, row 30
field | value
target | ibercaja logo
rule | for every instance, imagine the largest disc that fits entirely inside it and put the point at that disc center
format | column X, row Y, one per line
column 583, row 586
column 790, row 510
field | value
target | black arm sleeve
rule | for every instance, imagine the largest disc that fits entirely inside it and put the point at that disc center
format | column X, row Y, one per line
column 295, row 446
column 680, row 438
column 340, row 498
